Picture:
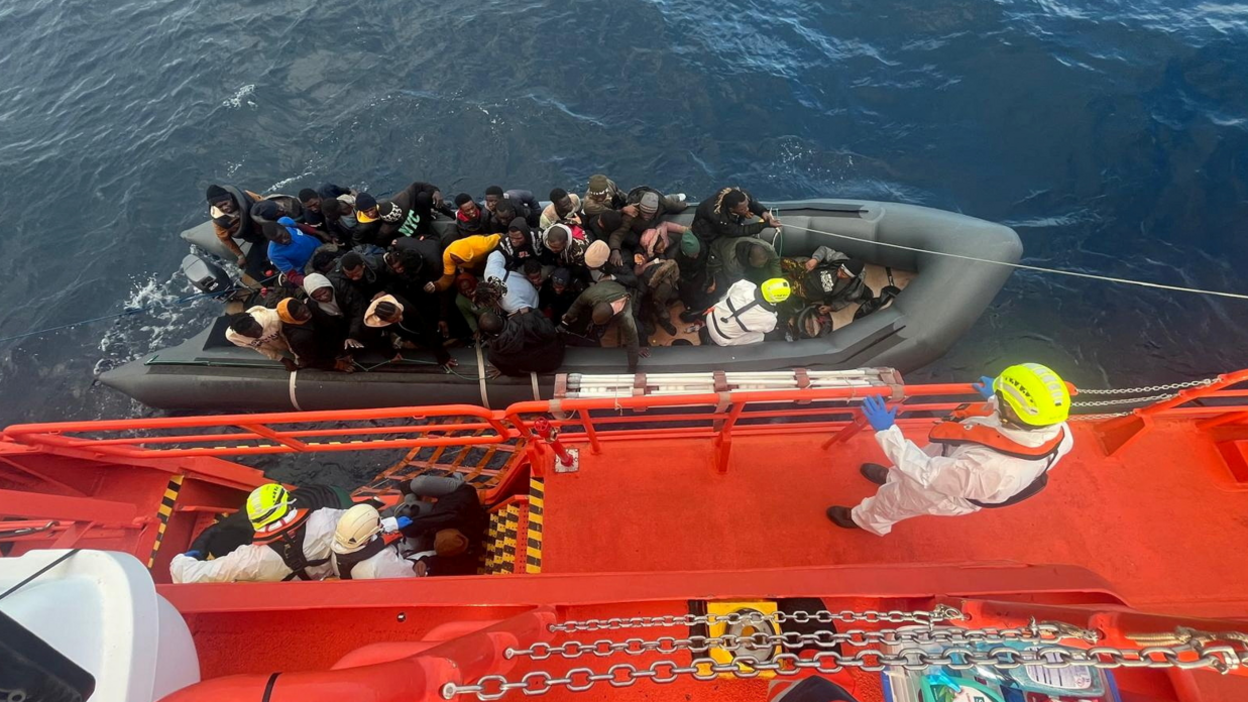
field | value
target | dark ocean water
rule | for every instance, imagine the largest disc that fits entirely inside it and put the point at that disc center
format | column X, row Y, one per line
column 1111, row 134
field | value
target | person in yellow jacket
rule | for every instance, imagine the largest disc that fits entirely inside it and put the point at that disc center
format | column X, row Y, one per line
column 467, row 254
column 985, row 456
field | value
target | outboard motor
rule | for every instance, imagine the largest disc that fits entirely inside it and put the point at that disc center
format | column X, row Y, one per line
column 205, row 275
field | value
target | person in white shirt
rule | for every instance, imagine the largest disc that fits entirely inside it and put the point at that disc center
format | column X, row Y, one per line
column 747, row 313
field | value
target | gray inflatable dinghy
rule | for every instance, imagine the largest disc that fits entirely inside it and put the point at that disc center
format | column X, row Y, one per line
column 941, row 299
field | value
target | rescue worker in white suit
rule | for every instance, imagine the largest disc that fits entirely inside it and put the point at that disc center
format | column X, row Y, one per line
column 747, row 313
column 292, row 536
column 987, row 456
column 366, row 547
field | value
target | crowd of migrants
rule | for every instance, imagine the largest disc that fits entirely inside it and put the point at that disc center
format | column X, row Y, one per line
column 358, row 273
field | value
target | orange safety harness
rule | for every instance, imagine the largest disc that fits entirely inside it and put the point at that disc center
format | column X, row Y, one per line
column 955, row 432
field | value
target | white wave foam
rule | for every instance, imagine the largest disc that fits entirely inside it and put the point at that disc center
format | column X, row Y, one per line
column 242, row 95
column 287, row 181
column 165, row 320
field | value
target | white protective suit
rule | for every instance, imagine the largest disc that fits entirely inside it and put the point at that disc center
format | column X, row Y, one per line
column 260, row 563
column 923, row 481
column 385, row 564
column 272, row 343
column 739, row 318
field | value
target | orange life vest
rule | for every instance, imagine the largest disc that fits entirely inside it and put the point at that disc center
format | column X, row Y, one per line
column 953, row 432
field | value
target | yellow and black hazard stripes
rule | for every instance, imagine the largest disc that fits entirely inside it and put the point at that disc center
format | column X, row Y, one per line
column 533, row 534
column 167, row 502
column 500, row 545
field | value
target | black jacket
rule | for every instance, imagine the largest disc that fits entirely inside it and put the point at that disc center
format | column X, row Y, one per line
column 461, row 510
column 710, row 223
column 416, row 208
column 353, row 301
column 417, row 326
column 314, row 346
column 527, row 344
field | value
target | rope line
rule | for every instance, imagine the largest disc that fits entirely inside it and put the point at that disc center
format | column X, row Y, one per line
column 1037, row 269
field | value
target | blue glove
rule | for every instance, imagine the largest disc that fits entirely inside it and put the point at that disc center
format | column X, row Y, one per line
column 984, row 386
column 194, row 554
column 404, row 522
column 880, row 417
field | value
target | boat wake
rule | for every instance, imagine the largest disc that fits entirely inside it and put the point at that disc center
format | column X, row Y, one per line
column 166, row 319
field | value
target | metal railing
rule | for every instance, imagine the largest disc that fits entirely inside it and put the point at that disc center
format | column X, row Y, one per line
column 718, row 416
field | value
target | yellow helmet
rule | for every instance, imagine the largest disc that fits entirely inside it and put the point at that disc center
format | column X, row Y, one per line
column 267, row 504
column 1036, row 394
column 356, row 527
column 775, row 290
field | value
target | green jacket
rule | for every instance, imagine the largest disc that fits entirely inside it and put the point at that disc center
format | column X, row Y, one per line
column 729, row 263
column 610, row 291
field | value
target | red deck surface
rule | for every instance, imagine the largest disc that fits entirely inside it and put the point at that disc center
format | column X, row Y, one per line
column 1157, row 520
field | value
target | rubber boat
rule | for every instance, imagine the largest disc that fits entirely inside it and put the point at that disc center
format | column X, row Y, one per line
column 941, row 298
column 708, row 575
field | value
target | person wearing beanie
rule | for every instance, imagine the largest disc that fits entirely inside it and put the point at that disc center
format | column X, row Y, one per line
column 453, row 526
column 564, row 208
column 828, row 278
column 260, row 329
column 602, row 194
column 695, row 286
column 662, row 205
column 230, row 210
column 603, row 307
column 340, row 221
column 731, row 213
column 600, row 267
column 597, row 254
column 558, row 293
column 749, row 258
column 367, row 220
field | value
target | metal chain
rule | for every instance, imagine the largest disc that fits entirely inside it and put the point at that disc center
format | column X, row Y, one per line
column 1096, row 417
column 668, row 645
column 940, row 614
column 1221, row 658
column 1147, row 388
column 1122, row 400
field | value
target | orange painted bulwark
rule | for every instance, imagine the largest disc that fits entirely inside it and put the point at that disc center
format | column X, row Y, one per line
column 677, row 498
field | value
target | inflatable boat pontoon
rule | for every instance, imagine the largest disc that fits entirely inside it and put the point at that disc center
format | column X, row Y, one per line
column 942, row 299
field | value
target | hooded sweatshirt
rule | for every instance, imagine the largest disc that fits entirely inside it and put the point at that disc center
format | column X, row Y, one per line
column 468, row 253
column 272, row 343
